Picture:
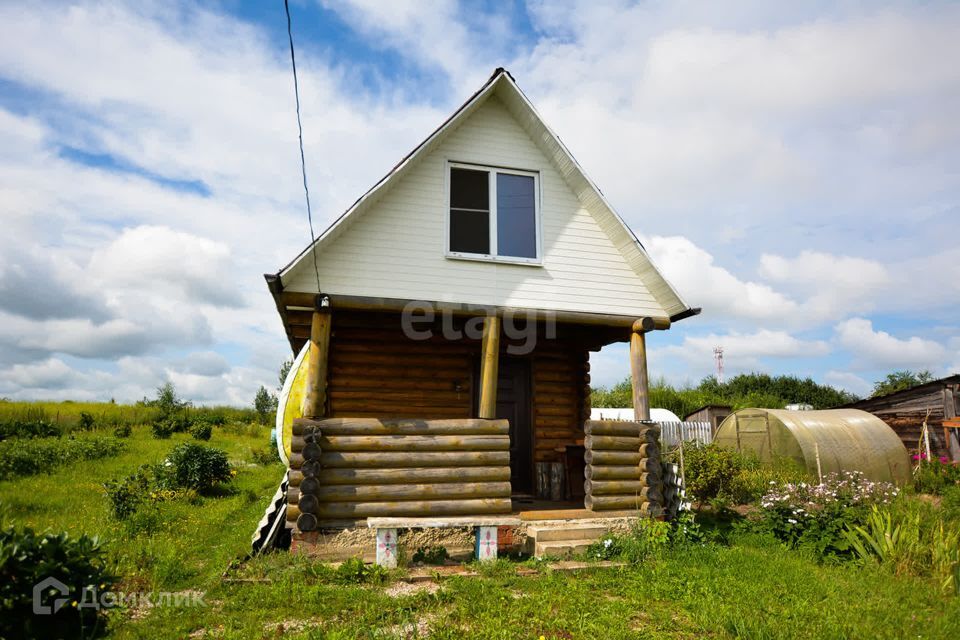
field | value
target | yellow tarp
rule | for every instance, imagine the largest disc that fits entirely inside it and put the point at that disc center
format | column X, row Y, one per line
column 290, row 402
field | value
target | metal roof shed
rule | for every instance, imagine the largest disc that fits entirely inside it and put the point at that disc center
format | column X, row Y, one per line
column 846, row 440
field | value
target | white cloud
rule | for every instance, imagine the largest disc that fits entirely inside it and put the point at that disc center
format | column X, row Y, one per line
column 47, row 374
column 766, row 128
column 849, row 382
column 705, row 284
column 878, row 349
column 166, row 262
column 835, row 284
column 808, row 66
column 742, row 350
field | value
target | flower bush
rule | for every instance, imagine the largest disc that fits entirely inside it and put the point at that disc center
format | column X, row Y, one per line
column 647, row 537
column 934, row 476
column 721, row 476
column 817, row 515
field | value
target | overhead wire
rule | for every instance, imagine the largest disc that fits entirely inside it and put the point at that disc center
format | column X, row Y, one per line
column 303, row 161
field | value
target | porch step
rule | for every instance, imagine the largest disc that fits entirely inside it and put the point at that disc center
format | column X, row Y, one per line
column 556, row 533
column 562, row 540
column 561, row 549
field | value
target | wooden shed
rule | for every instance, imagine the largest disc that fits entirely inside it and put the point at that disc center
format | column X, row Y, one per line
column 905, row 411
column 712, row 413
column 470, row 284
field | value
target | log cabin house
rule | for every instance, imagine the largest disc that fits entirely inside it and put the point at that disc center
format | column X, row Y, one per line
column 451, row 312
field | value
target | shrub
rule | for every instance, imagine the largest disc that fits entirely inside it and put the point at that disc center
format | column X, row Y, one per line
column 150, row 484
column 27, row 559
column 127, row 495
column 910, row 543
column 355, row 571
column 122, row 431
column 647, row 537
column 237, row 428
column 162, row 429
column 194, row 466
column 712, row 472
column 265, row 456
column 39, row 455
column 212, row 417
column 201, row 431
column 817, row 516
column 720, row 476
column 950, row 503
column 934, row 476
column 36, row 428
column 86, row 422
column 431, row 555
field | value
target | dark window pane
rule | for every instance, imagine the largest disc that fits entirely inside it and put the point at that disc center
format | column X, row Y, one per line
column 469, row 231
column 469, row 189
column 516, row 216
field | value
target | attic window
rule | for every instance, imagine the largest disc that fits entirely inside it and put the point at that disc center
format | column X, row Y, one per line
column 494, row 214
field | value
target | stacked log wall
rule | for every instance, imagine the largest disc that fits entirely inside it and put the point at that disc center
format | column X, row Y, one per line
column 623, row 469
column 560, row 374
column 369, row 467
column 378, row 372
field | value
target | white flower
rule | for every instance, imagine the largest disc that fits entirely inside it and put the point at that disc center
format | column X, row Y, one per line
column 791, row 521
column 607, row 543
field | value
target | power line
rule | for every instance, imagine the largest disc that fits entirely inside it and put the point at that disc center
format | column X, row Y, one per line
column 303, row 161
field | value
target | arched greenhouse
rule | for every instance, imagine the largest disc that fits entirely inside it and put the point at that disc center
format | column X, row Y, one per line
column 845, row 439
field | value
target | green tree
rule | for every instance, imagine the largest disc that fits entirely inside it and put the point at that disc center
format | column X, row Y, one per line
column 284, row 371
column 900, row 380
column 745, row 390
column 167, row 401
column 264, row 403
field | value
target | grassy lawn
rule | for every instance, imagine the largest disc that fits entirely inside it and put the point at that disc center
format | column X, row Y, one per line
column 752, row 589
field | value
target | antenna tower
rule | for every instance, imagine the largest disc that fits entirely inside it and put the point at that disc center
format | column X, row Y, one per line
column 718, row 356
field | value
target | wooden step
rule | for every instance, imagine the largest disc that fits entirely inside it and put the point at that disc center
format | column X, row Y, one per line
column 561, row 549
column 569, row 532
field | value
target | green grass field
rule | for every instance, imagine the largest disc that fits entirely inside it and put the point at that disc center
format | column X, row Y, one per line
column 751, row 589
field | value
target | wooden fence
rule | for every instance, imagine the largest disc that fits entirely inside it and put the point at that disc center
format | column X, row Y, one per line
column 673, row 432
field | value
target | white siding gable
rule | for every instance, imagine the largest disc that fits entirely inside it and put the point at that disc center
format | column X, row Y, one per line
column 396, row 248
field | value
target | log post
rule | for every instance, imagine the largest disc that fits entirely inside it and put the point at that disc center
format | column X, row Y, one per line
column 638, row 368
column 489, row 366
column 951, row 437
column 315, row 400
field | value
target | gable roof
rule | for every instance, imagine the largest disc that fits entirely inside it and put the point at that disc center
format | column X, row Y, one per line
column 923, row 393
column 502, row 84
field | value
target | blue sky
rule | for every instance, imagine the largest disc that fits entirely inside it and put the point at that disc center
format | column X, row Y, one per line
column 792, row 170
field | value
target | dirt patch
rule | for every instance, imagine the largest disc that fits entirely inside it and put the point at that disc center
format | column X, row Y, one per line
column 439, row 537
column 398, row 589
column 290, row 626
column 418, row 629
column 346, row 538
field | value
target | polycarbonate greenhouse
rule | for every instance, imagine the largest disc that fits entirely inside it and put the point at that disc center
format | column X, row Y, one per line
column 846, row 440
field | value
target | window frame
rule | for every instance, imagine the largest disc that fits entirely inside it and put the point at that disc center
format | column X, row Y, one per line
column 493, row 170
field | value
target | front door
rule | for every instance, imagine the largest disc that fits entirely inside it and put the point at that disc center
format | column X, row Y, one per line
column 513, row 404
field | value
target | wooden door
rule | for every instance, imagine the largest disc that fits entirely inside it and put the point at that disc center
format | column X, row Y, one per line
column 514, row 405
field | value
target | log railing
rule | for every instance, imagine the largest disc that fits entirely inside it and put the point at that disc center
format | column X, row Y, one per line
column 354, row 468
column 623, row 469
